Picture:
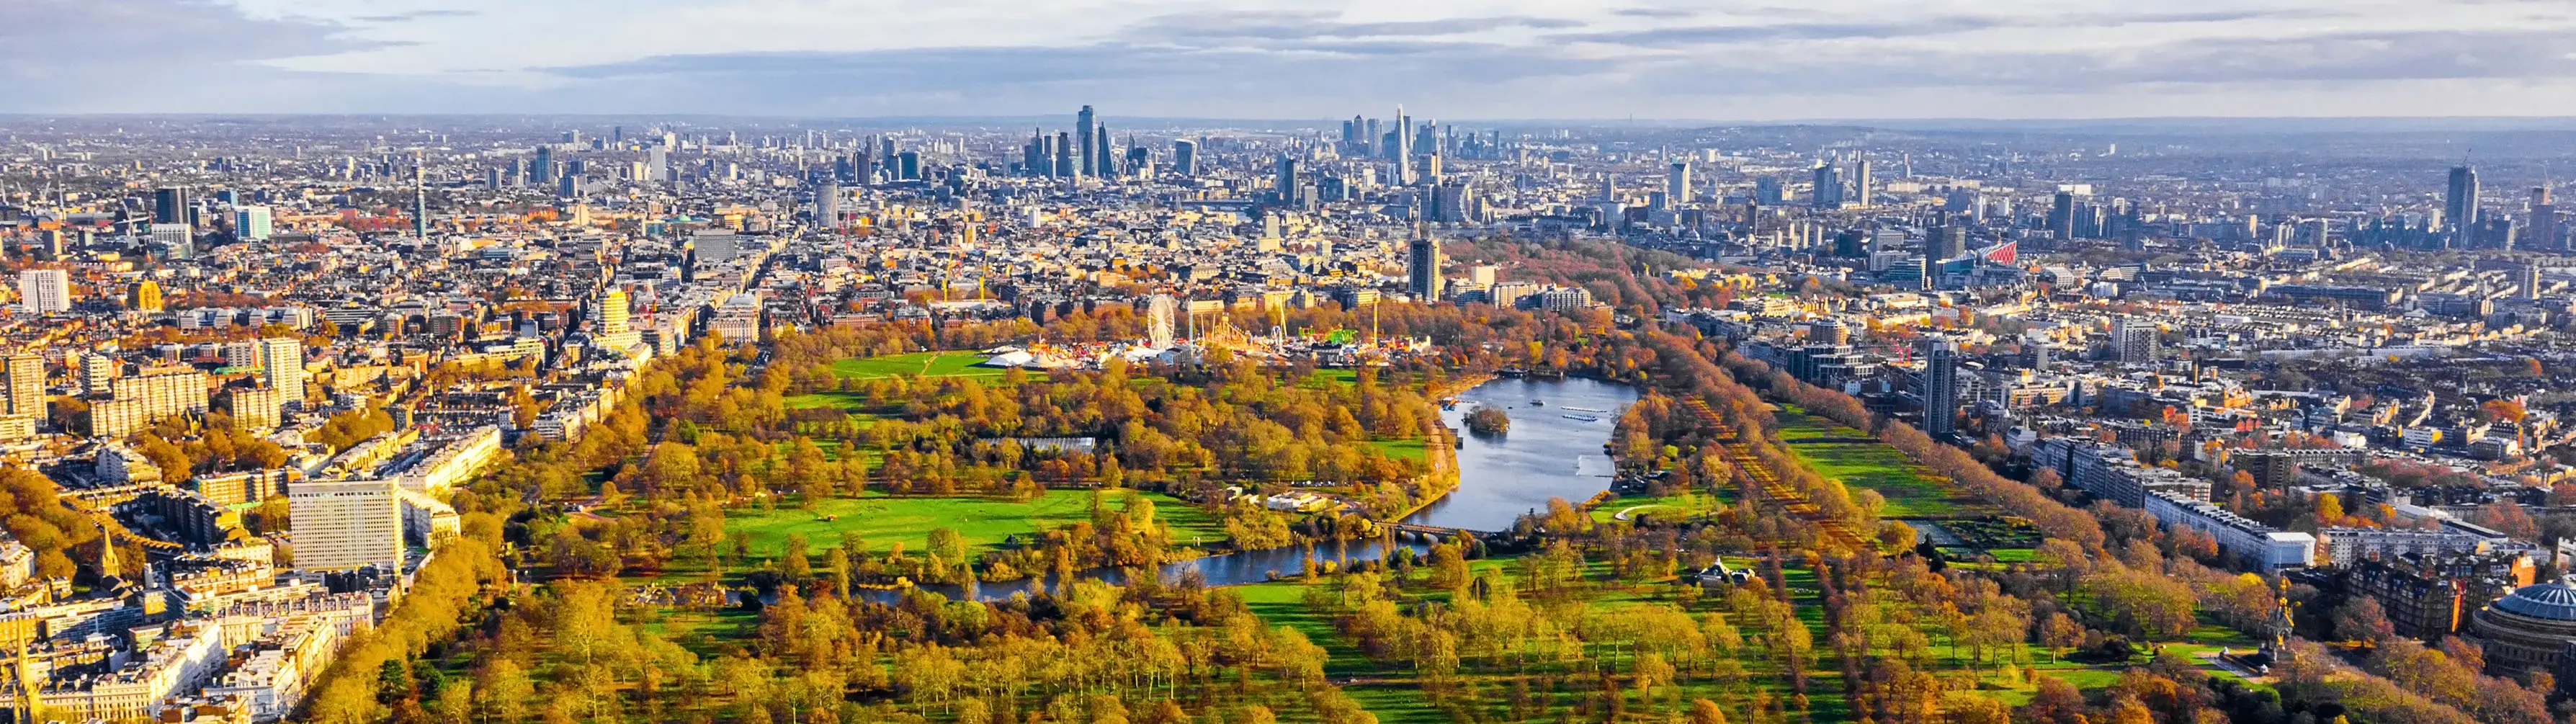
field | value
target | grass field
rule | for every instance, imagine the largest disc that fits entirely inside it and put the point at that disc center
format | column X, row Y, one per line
column 1672, row 506
column 922, row 364
column 819, row 400
column 1331, row 376
column 1404, row 449
column 985, row 522
column 1862, row 462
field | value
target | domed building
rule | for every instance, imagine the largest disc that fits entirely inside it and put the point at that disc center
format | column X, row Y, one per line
column 2530, row 628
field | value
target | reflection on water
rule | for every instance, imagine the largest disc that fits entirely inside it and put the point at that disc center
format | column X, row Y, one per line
column 1547, row 454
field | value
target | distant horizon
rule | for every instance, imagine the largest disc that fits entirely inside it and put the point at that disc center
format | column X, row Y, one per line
column 2487, row 123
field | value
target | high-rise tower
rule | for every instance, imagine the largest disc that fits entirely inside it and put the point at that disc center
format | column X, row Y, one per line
column 1422, row 264
column 419, row 198
column 1940, row 386
column 1082, row 123
column 2460, row 204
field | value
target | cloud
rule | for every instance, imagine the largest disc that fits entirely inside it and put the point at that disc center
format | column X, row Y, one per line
column 1666, row 13
column 1524, row 59
column 1307, row 25
column 62, row 53
column 1159, row 79
column 415, row 15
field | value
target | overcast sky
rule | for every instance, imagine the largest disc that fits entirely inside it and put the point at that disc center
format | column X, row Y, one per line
column 1460, row 59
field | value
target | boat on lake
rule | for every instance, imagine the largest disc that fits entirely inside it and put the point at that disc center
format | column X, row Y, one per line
column 1584, row 418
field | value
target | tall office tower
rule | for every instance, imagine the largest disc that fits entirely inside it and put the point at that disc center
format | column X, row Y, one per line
column 2460, row 205
column 1677, row 184
column 1940, row 386
column 492, row 178
column 281, row 365
column 541, row 167
column 1082, row 123
column 1140, row 160
column 2526, row 281
column 1829, row 187
column 1185, row 157
column 1064, row 156
column 45, row 291
column 2134, row 340
column 1860, row 183
column 2544, row 227
column 827, row 206
column 253, row 223
column 1034, row 157
column 170, row 205
column 346, row 524
column 1423, row 267
column 657, row 165
column 1286, row 181
column 27, row 384
column 2061, row 215
column 570, row 185
column 1402, row 152
column 1100, row 154
column 1948, row 242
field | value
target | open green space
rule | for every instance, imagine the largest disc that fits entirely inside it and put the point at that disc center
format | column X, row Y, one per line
column 985, row 522
column 1410, row 448
column 1861, row 461
column 919, row 364
column 1666, row 507
column 826, row 400
column 1331, row 376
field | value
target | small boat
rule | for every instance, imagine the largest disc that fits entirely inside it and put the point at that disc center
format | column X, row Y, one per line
column 1583, row 409
column 1538, row 403
column 1584, row 418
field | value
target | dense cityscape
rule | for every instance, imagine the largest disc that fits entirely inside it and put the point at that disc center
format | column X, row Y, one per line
column 1090, row 420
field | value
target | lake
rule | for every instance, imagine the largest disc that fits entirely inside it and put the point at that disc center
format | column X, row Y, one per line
column 1544, row 455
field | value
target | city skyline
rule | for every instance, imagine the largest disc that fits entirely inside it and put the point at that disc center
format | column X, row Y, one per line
column 1530, row 59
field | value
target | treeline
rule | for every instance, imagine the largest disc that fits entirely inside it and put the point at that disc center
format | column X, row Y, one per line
column 32, row 510
column 379, row 675
column 1686, row 371
column 373, row 677
column 1089, row 653
column 2059, row 520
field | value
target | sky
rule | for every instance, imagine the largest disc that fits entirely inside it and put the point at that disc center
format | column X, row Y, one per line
column 1268, row 59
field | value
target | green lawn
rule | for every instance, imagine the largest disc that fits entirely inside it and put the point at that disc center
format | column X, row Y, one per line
column 1331, row 376
column 985, row 522
column 819, row 400
column 1862, row 462
column 1667, row 507
column 1404, row 449
column 924, row 364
